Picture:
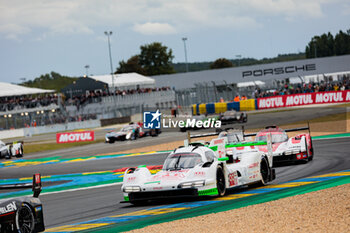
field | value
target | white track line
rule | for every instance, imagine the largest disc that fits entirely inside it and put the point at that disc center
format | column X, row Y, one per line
column 85, row 188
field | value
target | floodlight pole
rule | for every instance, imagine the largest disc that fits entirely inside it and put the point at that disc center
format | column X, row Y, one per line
column 184, row 40
column 239, row 59
column 87, row 70
column 108, row 34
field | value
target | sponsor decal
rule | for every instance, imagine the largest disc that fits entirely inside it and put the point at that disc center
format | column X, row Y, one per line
column 304, row 99
column 199, row 173
column 75, row 137
column 232, row 177
column 278, row 70
column 8, row 208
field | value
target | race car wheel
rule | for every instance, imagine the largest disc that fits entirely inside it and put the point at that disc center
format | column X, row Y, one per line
column 310, row 151
column 264, row 171
column 220, row 182
column 20, row 152
column 9, row 154
column 25, row 219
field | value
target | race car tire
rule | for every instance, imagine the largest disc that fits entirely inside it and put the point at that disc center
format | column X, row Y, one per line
column 220, row 182
column 311, row 156
column 20, row 152
column 265, row 172
column 25, row 219
column 9, row 154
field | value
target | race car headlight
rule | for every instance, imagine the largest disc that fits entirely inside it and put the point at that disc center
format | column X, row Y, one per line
column 198, row 183
column 288, row 152
column 296, row 151
column 130, row 189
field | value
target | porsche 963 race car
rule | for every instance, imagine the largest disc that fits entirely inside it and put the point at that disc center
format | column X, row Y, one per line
column 198, row 170
column 294, row 149
column 7, row 150
column 22, row 214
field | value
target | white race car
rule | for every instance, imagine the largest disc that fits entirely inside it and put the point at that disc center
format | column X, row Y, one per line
column 7, row 150
column 197, row 170
column 286, row 149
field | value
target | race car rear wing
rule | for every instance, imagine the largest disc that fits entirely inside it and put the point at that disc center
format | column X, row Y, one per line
column 15, row 142
column 286, row 130
column 35, row 185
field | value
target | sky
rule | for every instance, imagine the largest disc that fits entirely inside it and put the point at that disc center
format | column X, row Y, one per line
column 40, row 36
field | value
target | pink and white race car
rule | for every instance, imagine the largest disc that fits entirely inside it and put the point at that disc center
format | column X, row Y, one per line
column 285, row 149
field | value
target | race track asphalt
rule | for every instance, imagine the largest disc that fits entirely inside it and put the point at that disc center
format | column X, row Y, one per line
column 331, row 155
column 256, row 120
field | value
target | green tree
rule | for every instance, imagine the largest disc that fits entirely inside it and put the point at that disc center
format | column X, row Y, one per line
column 342, row 43
column 328, row 45
column 52, row 81
column 132, row 65
column 221, row 63
column 156, row 59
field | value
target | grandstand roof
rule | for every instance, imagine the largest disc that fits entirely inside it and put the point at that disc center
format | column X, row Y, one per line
column 8, row 89
column 125, row 80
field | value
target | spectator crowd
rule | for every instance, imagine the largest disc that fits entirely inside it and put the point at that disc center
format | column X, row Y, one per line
column 96, row 96
column 27, row 102
column 289, row 89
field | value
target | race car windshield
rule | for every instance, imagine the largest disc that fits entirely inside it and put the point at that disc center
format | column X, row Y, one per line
column 180, row 161
column 275, row 138
column 127, row 128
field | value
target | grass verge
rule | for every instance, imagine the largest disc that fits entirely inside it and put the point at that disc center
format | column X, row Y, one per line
column 34, row 148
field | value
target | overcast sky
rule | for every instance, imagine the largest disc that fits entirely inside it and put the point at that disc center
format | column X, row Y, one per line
column 40, row 36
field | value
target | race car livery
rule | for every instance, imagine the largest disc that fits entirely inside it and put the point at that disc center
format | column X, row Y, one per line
column 285, row 149
column 23, row 214
column 7, row 150
column 197, row 170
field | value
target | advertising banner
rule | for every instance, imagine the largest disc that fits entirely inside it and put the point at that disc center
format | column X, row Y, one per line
column 304, row 99
column 69, row 137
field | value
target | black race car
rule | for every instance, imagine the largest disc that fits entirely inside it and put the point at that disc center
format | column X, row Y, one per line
column 233, row 116
column 22, row 214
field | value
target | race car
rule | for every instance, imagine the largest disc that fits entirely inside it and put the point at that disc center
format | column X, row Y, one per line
column 22, row 214
column 197, row 170
column 128, row 132
column 285, row 149
column 233, row 116
column 7, row 150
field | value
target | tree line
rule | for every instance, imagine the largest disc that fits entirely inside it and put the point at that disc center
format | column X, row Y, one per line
column 156, row 59
column 328, row 45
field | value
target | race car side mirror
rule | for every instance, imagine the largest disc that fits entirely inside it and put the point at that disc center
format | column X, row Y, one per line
column 36, row 187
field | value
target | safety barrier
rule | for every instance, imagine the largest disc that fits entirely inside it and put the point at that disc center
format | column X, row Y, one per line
column 303, row 99
column 212, row 108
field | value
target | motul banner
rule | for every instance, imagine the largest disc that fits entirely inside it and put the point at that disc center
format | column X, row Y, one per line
column 304, row 99
column 75, row 137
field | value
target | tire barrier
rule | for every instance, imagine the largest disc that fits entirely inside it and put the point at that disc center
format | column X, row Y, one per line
column 211, row 108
